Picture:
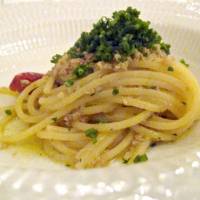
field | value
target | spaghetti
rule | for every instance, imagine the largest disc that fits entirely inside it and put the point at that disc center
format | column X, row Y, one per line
column 89, row 115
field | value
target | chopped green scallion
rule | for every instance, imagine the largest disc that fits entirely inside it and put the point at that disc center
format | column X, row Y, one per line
column 82, row 70
column 165, row 48
column 55, row 58
column 123, row 34
column 92, row 133
column 54, row 119
column 170, row 69
column 183, row 62
column 8, row 112
column 140, row 158
column 115, row 91
column 125, row 161
column 69, row 82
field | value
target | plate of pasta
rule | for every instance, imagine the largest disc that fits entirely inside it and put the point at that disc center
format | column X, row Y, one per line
column 100, row 101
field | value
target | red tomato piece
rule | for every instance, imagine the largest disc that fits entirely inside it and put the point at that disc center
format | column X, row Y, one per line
column 22, row 80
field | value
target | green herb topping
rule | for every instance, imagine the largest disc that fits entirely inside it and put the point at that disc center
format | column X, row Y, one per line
column 8, row 112
column 69, row 82
column 125, row 161
column 140, row 158
column 83, row 70
column 124, row 34
column 80, row 71
column 170, row 69
column 55, row 58
column 183, row 62
column 92, row 133
column 165, row 47
column 54, row 119
column 115, row 91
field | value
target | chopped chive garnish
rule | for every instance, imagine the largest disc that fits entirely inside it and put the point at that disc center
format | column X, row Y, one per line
column 170, row 69
column 54, row 119
column 55, row 58
column 8, row 112
column 125, row 161
column 140, row 158
column 83, row 70
column 80, row 71
column 92, row 133
column 69, row 82
column 124, row 33
column 183, row 62
column 165, row 47
column 115, row 91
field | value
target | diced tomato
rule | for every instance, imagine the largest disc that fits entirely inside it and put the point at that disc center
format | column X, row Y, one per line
column 22, row 80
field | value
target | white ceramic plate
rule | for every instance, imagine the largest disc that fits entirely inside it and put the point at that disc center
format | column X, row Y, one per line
column 29, row 35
